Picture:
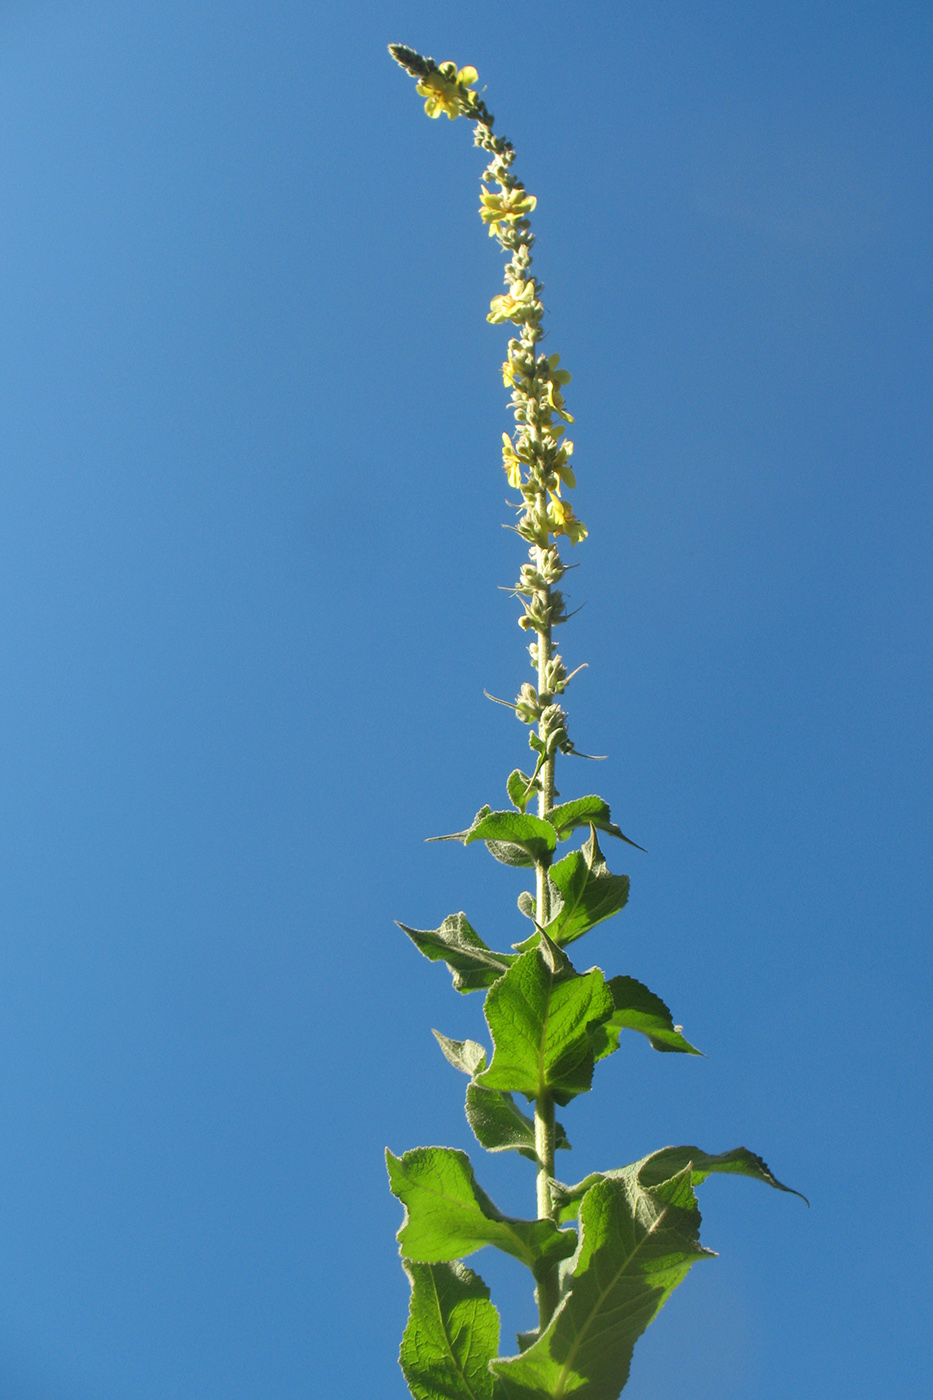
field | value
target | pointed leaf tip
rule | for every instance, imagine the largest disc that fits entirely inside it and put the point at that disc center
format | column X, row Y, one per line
column 636, row 1008
column 473, row 965
column 586, row 811
column 466, row 1055
column 514, row 838
column 739, row 1162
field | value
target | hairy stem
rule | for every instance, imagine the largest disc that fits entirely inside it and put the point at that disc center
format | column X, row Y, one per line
column 544, row 1106
column 546, row 794
column 544, row 1148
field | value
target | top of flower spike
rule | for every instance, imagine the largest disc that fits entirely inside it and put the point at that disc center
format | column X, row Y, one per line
column 536, row 462
column 447, row 90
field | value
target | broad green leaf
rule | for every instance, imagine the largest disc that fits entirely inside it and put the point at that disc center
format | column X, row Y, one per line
column 515, row 838
column 583, row 893
column 637, row 1009
column 473, row 965
column 452, row 1334
column 669, row 1162
column 540, row 1016
column 499, row 1123
column 466, row 1055
column 448, row 1215
column 520, row 788
column 637, row 1244
column 586, row 811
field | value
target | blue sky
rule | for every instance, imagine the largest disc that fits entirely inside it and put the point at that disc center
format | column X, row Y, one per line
column 250, row 543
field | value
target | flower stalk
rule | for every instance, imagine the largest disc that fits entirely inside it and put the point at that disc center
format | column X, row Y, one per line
column 606, row 1253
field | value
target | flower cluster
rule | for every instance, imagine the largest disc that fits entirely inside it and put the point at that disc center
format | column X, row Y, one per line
column 536, row 456
column 448, row 90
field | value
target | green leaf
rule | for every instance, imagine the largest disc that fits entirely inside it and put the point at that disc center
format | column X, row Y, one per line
column 526, row 903
column 585, row 811
column 583, row 893
column 448, row 1215
column 452, row 1334
column 515, row 838
column 466, row 1055
column 637, row 1244
column 500, row 1125
column 669, row 1162
column 520, row 788
column 740, row 1162
column 474, row 966
column 637, row 1009
column 540, row 1015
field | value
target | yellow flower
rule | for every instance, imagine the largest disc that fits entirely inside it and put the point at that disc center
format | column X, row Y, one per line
column 562, row 471
column 512, row 376
column 447, row 90
column 517, row 305
column 556, row 400
column 559, row 376
column 512, row 460
column 562, row 521
column 507, row 207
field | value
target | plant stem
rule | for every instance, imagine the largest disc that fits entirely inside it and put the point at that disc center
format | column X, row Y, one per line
column 545, row 796
column 547, row 1291
column 544, row 1105
column 546, row 793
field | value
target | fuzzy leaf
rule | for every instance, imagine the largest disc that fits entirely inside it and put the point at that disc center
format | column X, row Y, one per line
column 448, row 1215
column 585, row 811
column 526, row 903
column 474, row 966
column 668, row 1162
column 515, row 838
column 517, row 786
column 583, row 893
column 466, row 1055
column 540, row 1015
column 637, row 1245
column 637, row 1009
column 510, row 853
column 499, row 1123
column 452, row 1334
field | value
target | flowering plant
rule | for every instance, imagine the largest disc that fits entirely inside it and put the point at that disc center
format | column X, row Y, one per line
column 605, row 1253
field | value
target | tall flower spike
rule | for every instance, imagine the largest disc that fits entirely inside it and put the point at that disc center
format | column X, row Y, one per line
column 596, row 1291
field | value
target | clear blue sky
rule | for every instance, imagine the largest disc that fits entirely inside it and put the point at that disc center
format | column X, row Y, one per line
column 249, row 547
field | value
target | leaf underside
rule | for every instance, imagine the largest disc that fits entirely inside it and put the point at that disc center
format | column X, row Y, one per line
column 451, row 1336
column 667, row 1162
column 637, row 1244
column 515, row 838
column 466, row 1055
column 473, row 966
column 500, row 1125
